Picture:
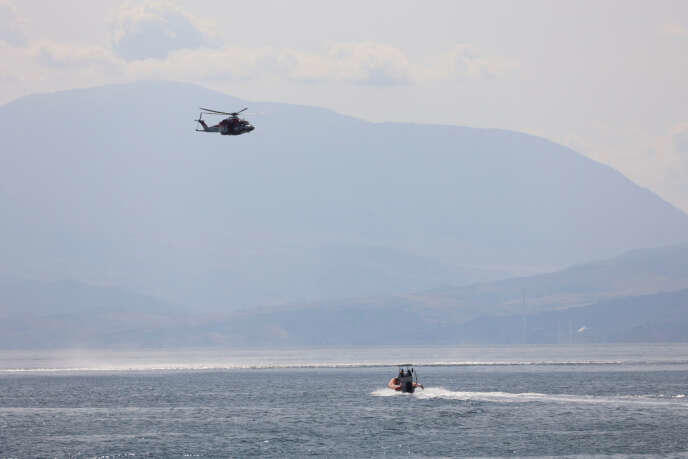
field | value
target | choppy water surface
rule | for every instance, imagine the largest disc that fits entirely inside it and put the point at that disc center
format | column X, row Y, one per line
column 558, row 400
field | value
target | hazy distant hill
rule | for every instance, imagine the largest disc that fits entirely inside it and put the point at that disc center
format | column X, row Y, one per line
column 71, row 314
column 112, row 185
column 493, row 312
column 64, row 314
column 635, row 272
column 660, row 317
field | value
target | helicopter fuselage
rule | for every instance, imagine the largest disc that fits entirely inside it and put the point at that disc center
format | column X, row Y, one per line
column 234, row 126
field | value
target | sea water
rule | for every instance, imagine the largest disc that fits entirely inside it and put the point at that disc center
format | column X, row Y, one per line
column 616, row 400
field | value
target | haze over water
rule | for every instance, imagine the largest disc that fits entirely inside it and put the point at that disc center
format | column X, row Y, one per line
column 498, row 401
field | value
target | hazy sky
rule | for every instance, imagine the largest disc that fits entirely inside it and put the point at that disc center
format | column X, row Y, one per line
column 608, row 78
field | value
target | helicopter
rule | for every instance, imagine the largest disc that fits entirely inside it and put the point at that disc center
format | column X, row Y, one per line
column 232, row 125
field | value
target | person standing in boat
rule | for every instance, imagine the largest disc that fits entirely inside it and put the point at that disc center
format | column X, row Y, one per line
column 395, row 383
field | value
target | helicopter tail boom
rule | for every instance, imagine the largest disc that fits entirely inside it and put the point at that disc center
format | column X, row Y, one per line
column 205, row 126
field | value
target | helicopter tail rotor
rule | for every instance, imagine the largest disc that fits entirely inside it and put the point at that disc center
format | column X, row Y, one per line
column 200, row 120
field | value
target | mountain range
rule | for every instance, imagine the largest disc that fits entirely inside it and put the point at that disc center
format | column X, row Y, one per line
column 316, row 228
column 641, row 295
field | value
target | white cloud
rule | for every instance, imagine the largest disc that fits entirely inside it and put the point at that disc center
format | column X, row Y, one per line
column 362, row 63
column 52, row 54
column 204, row 63
column 680, row 139
column 358, row 63
column 158, row 39
column 45, row 65
column 467, row 61
column 675, row 30
column 156, row 28
column 11, row 25
column 368, row 63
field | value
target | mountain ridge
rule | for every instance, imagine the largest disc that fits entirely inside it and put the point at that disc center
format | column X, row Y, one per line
column 71, row 314
column 116, row 187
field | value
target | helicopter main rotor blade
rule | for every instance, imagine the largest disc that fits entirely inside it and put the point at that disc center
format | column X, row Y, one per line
column 215, row 111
